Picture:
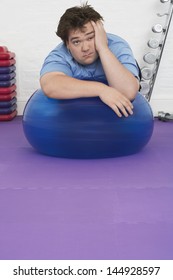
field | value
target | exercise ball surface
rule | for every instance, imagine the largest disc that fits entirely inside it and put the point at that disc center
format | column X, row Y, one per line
column 85, row 128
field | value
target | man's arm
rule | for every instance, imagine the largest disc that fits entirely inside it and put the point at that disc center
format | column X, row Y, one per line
column 117, row 75
column 60, row 86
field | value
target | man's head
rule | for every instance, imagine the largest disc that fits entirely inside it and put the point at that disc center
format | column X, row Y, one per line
column 76, row 31
column 75, row 18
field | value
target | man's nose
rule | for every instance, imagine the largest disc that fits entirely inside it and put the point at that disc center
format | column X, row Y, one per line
column 85, row 46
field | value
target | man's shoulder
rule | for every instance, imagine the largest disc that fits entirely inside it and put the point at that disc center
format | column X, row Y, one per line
column 60, row 49
column 115, row 39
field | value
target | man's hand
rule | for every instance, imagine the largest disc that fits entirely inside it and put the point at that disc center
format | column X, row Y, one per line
column 101, row 42
column 123, row 86
column 117, row 102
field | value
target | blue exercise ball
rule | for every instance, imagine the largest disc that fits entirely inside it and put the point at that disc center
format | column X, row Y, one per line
column 85, row 128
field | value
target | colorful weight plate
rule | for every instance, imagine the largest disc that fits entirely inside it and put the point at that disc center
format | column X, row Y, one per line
column 8, row 117
column 7, row 97
column 9, row 110
column 7, row 90
column 7, row 70
column 7, row 62
column 7, row 104
column 7, row 77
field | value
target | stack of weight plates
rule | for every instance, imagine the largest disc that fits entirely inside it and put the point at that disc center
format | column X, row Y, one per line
column 7, row 85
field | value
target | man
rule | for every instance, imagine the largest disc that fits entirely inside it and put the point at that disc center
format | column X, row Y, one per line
column 90, row 63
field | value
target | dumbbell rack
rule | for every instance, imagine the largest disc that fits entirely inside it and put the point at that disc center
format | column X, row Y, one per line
column 149, row 75
column 8, row 99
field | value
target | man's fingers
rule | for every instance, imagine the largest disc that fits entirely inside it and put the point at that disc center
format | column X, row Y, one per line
column 121, row 110
column 116, row 110
column 127, row 106
column 118, row 103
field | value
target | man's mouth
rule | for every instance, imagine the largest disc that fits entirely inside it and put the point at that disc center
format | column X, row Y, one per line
column 87, row 55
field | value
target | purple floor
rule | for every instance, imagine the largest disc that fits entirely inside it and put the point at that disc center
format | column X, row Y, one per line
column 53, row 208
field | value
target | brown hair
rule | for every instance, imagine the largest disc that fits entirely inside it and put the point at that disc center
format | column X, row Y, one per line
column 76, row 18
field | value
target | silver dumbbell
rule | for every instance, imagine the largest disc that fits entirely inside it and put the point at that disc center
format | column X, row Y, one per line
column 154, row 43
column 162, row 116
column 164, row 1
column 157, row 28
column 147, row 73
column 145, row 88
column 150, row 58
column 162, row 15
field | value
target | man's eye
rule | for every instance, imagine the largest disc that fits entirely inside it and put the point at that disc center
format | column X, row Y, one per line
column 76, row 43
column 90, row 38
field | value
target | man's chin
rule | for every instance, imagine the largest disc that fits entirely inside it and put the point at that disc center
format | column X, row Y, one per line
column 88, row 61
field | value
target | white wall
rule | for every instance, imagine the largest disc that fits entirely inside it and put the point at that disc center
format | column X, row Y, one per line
column 27, row 27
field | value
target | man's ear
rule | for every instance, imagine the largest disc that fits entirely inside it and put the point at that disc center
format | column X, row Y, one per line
column 67, row 44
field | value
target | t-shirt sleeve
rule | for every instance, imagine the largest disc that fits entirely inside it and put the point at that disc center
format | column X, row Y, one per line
column 125, row 55
column 55, row 62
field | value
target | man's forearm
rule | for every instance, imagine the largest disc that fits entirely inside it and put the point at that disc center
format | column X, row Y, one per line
column 60, row 86
column 117, row 75
column 65, row 87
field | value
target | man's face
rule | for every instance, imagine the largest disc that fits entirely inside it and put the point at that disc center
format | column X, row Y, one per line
column 81, row 44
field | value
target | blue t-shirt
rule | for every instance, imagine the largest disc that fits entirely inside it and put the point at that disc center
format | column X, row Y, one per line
column 61, row 60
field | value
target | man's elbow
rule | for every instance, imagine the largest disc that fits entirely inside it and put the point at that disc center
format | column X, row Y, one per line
column 132, row 94
column 133, row 90
column 52, row 85
column 47, row 91
column 46, row 88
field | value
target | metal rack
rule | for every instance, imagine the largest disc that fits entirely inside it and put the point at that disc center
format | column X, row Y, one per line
column 148, row 74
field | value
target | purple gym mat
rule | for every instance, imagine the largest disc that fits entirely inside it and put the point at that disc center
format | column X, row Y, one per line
column 52, row 208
